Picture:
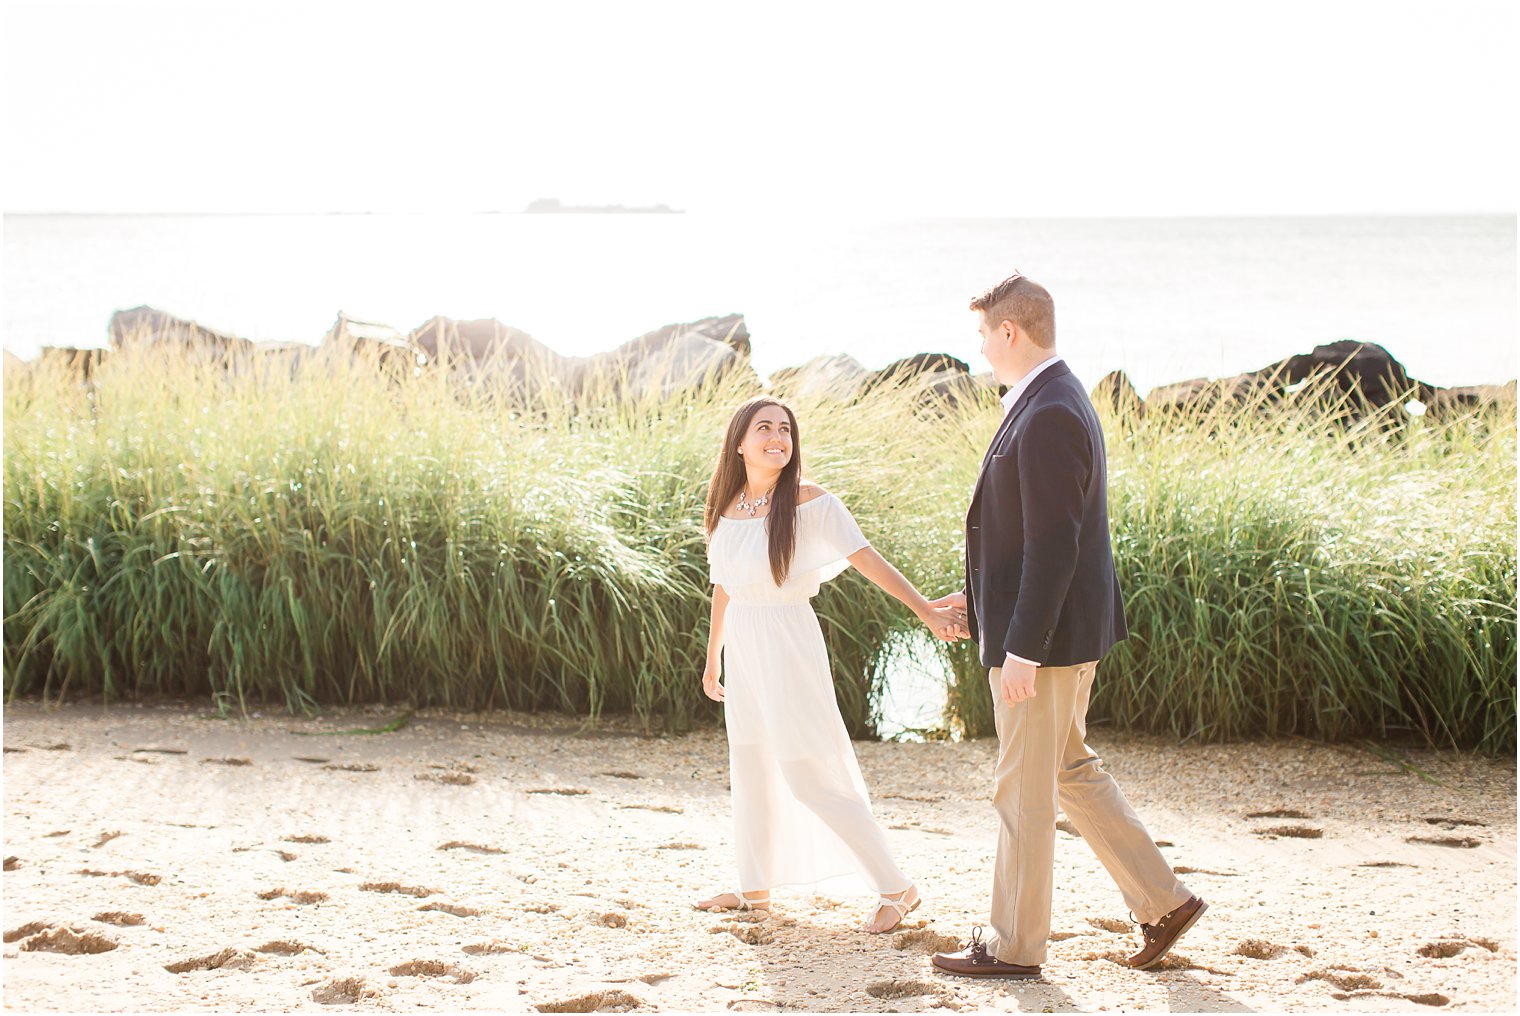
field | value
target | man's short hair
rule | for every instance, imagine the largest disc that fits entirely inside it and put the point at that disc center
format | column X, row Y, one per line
column 1024, row 302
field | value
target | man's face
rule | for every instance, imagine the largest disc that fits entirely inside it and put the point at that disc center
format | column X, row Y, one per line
column 995, row 342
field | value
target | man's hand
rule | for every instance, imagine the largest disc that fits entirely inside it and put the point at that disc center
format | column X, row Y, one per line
column 956, row 603
column 1018, row 681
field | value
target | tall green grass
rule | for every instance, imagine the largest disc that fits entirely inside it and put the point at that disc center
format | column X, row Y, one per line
column 331, row 537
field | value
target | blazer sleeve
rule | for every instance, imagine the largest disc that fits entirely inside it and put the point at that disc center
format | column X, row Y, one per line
column 1055, row 466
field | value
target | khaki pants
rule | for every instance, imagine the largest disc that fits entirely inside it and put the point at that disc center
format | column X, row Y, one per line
column 1043, row 762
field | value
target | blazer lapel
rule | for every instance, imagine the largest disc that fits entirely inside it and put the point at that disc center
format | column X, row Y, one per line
column 1011, row 416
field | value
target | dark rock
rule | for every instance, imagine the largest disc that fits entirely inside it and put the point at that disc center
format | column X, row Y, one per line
column 1118, row 393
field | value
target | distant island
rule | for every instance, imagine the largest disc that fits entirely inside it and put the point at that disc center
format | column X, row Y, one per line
column 552, row 205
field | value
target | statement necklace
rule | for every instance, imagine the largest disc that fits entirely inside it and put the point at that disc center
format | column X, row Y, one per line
column 746, row 505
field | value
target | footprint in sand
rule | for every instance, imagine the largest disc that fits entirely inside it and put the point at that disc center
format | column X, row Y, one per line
column 285, row 947
column 1279, row 813
column 26, row 930
column 599, row 1001
column 490, row 948
column 473, row 848
column 433, row 968
column 1296, row 832
column 559, row 791
column 106, row 838
column 611, row 919
column 69, row 941
column 1460, row 842
column 294, row 895
column 532, row 908
column 1452, row 823
column 118, row 917
column 452, row 908
column 344, row 991
column 1259, row 949
column 1447, row 948
column 156, row 750
column 12, row 863
column 926, row 940
column 352, row 767
column 1344, row 978
column 680, row 846
column 622, row 774
column 306, row 839
column 140, row 877
column 1385, row 864
column 227, row 959
column 1428, row 998
column 451, row 778
column 747, row 932
column 227, row 761
column 668, row 809
column 1183, row 869
column 905, row 989
column 1112, row 924
column 397, row 887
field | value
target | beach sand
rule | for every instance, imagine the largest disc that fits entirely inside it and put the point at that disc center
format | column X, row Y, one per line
column 514, row 862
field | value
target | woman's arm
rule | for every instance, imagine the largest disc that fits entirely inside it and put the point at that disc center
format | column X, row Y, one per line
column 714, row 668
column 943, row 620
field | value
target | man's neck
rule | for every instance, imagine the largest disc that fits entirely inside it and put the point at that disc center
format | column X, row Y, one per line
column 1028, row 368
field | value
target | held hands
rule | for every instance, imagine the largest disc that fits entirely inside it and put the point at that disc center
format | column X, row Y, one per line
column 710, row 686
column 947, row 617
column 946, row 623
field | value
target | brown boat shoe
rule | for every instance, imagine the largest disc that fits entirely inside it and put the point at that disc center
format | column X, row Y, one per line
column 976, row 961
column 1161, row 936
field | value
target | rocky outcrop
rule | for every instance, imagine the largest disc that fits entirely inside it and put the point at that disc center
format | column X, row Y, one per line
column 839, row 377
column 1357, row 376
column 674, row 358
column 148, row 327
column 1449, row 403
column 1118, row 394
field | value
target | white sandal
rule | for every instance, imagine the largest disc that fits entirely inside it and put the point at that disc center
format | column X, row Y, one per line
column 745, row 903
column 903, row 910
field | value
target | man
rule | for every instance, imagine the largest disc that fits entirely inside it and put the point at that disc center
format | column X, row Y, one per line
column 1042, row 602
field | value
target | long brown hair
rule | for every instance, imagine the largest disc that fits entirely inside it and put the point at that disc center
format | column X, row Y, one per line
column 729, row 477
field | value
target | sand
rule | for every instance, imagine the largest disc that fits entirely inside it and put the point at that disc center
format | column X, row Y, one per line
column 163, row 858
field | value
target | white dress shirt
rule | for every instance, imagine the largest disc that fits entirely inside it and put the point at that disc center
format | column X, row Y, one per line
column 1010, row 397
column 1012, row 394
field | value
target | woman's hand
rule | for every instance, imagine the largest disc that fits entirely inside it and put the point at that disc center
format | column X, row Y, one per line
column 710, row 686
column 947, row 623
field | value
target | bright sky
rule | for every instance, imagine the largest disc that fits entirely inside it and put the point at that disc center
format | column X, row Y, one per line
column 952, row 108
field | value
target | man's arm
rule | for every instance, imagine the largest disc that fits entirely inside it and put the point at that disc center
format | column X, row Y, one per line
column 1055, row 463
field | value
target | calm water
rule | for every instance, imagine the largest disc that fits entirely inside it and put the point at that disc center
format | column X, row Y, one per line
column 1163, row 299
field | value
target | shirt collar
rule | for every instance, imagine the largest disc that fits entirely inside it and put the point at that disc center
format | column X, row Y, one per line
column 1012, row 395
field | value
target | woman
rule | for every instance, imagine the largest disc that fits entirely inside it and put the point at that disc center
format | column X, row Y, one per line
column 801, row 813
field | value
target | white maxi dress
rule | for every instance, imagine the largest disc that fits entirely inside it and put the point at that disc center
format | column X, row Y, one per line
column 801, row 812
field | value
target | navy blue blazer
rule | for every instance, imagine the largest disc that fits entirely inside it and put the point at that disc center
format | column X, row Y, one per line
column 1040, row 580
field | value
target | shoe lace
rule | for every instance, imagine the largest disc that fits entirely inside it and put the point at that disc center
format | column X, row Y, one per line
column 978, row 947
column 1148, row 931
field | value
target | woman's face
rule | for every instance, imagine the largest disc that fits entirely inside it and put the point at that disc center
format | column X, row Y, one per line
column 767, row 444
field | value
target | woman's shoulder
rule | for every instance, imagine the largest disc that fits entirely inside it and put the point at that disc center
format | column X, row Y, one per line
column 810, row 491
